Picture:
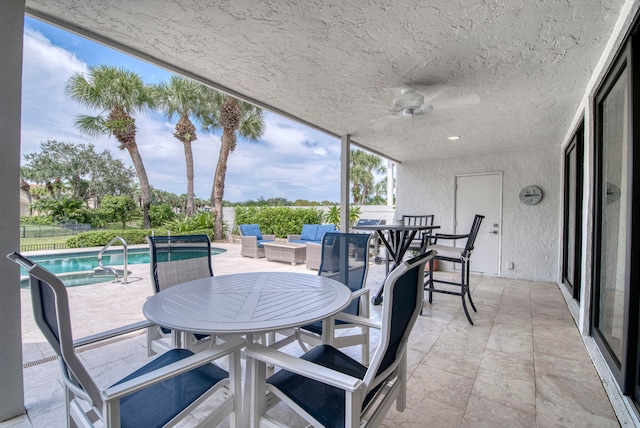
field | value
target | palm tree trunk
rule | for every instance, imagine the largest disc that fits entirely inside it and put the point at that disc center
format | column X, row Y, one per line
column 217, row 192
column 145, row 189
column 188, row 155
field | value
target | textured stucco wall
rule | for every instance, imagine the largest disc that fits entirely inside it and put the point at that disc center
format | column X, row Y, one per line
column 530, row 234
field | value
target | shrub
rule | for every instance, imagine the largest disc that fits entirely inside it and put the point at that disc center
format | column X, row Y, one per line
column 159, row 214
column 280, row 221
column 131, row 236
column 36, row 219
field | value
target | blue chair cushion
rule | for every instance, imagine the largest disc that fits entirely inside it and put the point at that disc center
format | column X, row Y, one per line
column 322, row 229
column 158, row 404
column 309, row 232
column 262, row 241
column 323, row 402
column 251, row 230
column 299, row 241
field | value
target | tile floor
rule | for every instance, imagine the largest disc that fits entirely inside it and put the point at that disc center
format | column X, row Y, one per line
column 523, row 363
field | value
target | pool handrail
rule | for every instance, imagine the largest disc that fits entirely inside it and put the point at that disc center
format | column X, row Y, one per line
column 109, row 268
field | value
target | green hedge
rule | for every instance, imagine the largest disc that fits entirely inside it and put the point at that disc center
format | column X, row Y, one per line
column 280, row 221
column 131, row 236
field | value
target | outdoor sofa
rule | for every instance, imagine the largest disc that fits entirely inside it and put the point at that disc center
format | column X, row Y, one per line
column 312, row 235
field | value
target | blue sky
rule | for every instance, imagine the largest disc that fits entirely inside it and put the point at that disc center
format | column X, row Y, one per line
column 291, row 161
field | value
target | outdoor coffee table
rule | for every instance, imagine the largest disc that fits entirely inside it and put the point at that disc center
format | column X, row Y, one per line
column 291, row 252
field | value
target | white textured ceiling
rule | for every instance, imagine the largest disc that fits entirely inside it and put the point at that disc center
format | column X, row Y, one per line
column 338, row 64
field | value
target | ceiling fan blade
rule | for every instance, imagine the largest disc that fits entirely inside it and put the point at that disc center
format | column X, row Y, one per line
column 456, row 102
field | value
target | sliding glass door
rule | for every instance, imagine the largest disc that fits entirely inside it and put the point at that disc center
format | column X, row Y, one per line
column 616, row 292
column 572, row 238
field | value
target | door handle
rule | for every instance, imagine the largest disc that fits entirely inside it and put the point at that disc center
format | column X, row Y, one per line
column 495, row 232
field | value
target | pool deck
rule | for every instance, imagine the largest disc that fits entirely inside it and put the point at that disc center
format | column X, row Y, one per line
column 509, row 369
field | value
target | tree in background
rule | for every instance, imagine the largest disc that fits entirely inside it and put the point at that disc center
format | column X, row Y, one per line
column 77, row 169
column 183, row 98
column 362, row 169
column 120, row 94
column 119, row 208
column 223, row 111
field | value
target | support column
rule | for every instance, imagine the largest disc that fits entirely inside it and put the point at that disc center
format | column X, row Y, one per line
column 345, row 162
column 11, row 33
column 390, row 183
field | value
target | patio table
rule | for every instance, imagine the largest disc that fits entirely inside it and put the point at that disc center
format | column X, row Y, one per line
column 396, row 239
column 247, row 304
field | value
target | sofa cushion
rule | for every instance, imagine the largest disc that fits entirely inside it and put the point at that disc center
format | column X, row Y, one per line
column 251, row 230
column 299, row 241
column 309, row 232
column 322, row 229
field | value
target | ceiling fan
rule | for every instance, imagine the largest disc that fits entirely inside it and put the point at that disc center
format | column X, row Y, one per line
column 411, row 103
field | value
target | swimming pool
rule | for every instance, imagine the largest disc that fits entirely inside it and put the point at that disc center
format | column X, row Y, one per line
column 80, row 265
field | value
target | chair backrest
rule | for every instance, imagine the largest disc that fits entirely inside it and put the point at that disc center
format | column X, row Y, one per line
column 418, row 220
column 403, row 293
column 345, row 258
column 51, row 312
column 177, row 259
column 475, row 227
column 250, row 230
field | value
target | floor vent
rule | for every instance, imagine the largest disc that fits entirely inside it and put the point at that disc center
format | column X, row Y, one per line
column 82, row 349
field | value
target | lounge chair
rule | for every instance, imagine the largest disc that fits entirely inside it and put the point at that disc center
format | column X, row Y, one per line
column 252, row 240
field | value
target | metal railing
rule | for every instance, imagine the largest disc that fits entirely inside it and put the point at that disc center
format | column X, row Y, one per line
column 109, row 268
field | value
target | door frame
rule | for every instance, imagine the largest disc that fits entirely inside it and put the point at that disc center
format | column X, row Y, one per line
column 500, row 175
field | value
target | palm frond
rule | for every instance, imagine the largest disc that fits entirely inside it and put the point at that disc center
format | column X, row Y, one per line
column 91, row 126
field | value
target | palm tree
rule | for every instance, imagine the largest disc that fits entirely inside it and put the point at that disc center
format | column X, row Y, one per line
column 183, row 98
column 119, row 94
column 363, row 165
column 231, row 115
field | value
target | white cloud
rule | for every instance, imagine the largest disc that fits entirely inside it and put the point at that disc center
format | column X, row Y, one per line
column 290, row 161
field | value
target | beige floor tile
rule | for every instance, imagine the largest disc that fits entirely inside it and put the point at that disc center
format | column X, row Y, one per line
column 582, row 395
column 506, row 390
column 422, row 412
column 483, row 413
column 440, row 385
column 554, row 415
column 517, row 366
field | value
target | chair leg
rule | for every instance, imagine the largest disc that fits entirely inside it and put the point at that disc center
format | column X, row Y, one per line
column 430, row 280
column 469, row 288
column 464, row 289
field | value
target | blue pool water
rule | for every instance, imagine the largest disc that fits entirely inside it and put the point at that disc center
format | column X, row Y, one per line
column 77, row 268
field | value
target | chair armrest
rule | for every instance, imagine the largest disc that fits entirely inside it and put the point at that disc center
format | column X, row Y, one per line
column 130, row 328
column 251, row 241
column 269, row 237
column 303, row 367
column 360, row 292
column 296, row 237
column 116, row 392
column 354, row 319
column 448, row 236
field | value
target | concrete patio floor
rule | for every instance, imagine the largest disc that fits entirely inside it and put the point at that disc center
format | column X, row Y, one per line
column 523, row 363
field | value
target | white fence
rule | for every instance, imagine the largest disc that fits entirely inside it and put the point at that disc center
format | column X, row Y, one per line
column 385, row 212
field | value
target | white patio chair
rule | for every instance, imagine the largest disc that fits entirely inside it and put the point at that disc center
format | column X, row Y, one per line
column 328, row 388
column 160, row 393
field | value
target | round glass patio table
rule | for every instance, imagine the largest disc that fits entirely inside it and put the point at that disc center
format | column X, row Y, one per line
column 247, row 303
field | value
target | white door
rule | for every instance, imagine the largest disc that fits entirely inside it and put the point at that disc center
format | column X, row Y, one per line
column 481, row 194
